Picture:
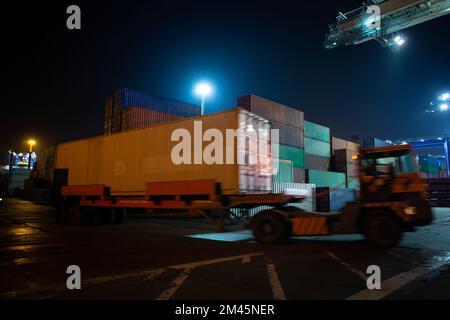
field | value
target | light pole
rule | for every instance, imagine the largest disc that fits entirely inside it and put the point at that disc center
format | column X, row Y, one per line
column 31, row 143
column 203, row 90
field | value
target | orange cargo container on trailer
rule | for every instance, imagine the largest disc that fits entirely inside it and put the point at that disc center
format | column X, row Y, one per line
column 126, row 161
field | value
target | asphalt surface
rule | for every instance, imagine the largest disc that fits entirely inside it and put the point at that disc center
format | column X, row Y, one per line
column 162, row 258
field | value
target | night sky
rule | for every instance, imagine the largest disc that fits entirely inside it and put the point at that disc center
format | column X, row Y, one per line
column 57, row 80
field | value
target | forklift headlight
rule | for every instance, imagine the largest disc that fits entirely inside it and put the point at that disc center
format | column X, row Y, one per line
column 410, row 211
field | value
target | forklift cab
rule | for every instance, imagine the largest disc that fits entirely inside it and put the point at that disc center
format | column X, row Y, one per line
column 390, row 174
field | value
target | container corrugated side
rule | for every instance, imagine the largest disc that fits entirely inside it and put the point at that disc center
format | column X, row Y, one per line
column 337, row 143
column 289, row 135
column 272, row 110
column 299, row 175
column 326, row 178
column 125, row 161
column 317, row 162
column 318, row 132
column 308, row 205
column 296, row 155
column 137, row 117
column 284, row 172
column 353, row 183
column 130, row 97
column 317, row 147
column 108, row 116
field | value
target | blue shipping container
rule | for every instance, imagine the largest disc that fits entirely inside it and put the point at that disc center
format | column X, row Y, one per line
column 131, row 98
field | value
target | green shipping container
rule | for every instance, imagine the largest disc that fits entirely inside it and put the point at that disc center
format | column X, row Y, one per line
column 317, row 148
column 296, row 155
column 285, row 172
column 317, row 132
column 327, row 179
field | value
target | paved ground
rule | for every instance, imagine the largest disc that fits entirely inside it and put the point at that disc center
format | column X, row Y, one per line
column 156, row 259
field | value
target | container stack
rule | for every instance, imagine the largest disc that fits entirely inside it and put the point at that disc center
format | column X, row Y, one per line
column 343, row 154
column 317, row 157
column 317, row 147
column 129, row 109
column 290, row 123
column 429, row 167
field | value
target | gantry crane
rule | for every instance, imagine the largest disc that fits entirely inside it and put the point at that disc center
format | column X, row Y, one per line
column 381, row 20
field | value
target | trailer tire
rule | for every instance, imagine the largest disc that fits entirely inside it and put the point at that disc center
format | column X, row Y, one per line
column 382, row 229
column 270, row 227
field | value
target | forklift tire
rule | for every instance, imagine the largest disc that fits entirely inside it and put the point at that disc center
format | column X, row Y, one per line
column 382, row 229
column 270, row 227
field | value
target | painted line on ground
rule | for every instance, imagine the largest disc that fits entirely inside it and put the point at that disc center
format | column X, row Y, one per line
column 175, row 285
column 346, row 265
column 36, row 288
column 277, row 289
column 396, row 282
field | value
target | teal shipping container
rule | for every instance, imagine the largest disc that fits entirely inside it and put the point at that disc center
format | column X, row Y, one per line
column 353, row 183
column 326, row 178
column 318, row 132
column 296, row 155
column 317, row 147
column 284, row 171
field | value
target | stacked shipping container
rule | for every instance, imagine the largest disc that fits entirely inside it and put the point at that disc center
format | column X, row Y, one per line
column 317, row 147
column 429, row 167
column 126, row 161
column 129, row 109
column 343, row 153
column 290, row 123
column 318, row 156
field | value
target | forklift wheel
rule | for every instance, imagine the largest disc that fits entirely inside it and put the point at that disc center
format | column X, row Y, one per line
column 382, row 230
column 269, row 227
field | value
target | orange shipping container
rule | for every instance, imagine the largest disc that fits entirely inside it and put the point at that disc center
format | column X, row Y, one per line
column 125, row 161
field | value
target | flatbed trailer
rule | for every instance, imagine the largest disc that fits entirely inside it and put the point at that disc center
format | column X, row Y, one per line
column 93, row 204
column 381, row 222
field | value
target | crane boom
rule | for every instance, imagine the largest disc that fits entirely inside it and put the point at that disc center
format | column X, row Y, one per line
column 358, row 26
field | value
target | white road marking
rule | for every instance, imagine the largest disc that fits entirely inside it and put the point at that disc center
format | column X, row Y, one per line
column 277, row 289
column 346, row 265
column 396, row 282
column 35, row 287
column 175, row 285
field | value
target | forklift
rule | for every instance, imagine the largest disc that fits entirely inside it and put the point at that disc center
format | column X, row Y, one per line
column 392, row 200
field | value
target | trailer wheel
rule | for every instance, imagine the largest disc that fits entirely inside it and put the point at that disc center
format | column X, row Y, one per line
column 270, row 227
column 382, row 229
